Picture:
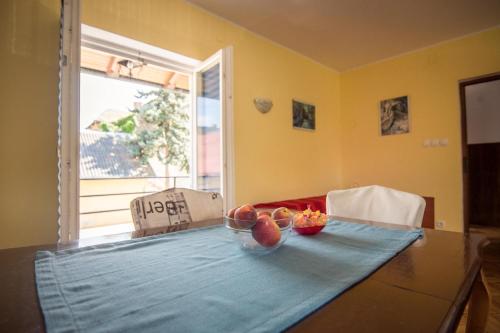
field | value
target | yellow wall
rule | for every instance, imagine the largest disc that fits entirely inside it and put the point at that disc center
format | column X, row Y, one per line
column 273, row 161
column 430, row 78
column 29, row 54
column 268, row 165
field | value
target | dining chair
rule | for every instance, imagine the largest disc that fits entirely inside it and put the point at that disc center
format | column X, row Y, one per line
column 377, row 203
column 174, row 209
column 202, row 205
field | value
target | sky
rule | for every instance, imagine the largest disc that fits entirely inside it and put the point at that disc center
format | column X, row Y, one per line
column 99, row 93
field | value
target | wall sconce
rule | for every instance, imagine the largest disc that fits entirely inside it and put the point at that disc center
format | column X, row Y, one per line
column 264, row 105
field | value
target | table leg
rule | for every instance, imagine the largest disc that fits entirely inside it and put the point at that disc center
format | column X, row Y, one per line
column 479, row 304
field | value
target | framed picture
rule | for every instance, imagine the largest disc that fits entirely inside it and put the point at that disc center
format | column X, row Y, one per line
column 394, row 116
column 304, row 115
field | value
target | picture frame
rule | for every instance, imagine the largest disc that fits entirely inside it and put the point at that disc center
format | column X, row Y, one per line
column 303, row 115
column 394, row 116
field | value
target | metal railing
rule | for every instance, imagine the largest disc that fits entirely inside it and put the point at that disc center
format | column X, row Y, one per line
column 104, row 195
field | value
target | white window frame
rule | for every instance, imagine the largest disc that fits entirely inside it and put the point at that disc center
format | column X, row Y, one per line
column 224, row 57
column 69, row 123
column 69, row 148
column 227, row 126
column 109, row 42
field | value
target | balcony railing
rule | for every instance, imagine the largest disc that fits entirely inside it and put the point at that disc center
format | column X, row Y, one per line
column 105, row 201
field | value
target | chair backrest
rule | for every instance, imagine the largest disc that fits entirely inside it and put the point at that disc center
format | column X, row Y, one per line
column 166, row 210
column 175, row 209
column 377, row 203
column 202, row 205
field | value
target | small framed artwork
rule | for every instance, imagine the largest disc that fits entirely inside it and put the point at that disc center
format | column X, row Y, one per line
column 304, row 115
column 394, row 116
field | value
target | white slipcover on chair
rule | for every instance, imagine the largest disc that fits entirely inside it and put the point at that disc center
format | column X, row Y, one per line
column 377, row 203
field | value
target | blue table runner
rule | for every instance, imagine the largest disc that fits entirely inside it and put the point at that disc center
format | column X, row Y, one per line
column 199, row 280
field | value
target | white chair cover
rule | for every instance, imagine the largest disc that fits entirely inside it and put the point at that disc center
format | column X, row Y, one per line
column 377, row 203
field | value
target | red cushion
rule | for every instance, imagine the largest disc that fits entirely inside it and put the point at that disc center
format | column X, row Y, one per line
column 315, row 203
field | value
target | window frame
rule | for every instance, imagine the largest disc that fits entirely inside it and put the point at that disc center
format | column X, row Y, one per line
column 75, row 35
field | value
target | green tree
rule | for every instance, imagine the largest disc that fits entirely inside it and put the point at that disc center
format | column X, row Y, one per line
column 158, row 128
column 126, row 124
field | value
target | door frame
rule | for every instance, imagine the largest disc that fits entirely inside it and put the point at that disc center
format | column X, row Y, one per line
column 69, row 122
column 73, row 36
column 465, row 150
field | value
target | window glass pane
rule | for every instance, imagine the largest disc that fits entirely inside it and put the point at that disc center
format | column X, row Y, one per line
column 209, row 130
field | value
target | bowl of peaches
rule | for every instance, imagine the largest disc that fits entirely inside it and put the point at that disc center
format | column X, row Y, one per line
column 259, row 231
column 309, row 222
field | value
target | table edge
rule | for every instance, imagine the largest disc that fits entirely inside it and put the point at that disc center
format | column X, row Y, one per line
column 452, row 319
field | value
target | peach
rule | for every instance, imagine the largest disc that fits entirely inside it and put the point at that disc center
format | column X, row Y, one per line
column 266, row 231
column 245, row 216
column 231, row 212
column 282, row 216
column 262, row 212
column 230, row 218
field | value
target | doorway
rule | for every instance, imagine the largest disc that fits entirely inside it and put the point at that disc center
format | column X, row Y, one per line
column 131, row 110
column 480, row 114
column 150, row 119
column 112, row 88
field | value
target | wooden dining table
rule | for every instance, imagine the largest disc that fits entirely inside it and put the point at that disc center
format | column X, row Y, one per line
column 425, row 288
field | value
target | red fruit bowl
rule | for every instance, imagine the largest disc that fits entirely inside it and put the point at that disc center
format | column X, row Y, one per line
column 308, row 231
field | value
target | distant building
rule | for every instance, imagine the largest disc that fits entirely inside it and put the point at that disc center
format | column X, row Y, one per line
column 106, row 166
column 209, row 158
column 106, row 155
column 106, row 117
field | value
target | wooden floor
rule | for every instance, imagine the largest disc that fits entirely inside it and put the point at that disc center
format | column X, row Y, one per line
column 491, row 273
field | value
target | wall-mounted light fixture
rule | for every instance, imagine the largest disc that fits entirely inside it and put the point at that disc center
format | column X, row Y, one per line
column 264, row 105
column 130, row 65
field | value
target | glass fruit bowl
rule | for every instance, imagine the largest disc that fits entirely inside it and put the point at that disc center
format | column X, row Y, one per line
column 260, row 236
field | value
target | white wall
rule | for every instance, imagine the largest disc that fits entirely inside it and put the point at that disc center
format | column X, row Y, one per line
column 483, row 112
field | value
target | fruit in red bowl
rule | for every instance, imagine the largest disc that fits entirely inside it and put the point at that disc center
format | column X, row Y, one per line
column 309, row 222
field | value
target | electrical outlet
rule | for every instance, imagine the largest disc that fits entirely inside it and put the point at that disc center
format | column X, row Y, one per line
column 443, row 142
column 440, row 224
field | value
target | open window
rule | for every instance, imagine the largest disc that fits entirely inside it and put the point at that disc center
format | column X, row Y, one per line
column 212, row 114
column 116, row 85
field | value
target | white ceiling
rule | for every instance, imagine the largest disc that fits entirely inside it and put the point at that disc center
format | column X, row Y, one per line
column 344, row 34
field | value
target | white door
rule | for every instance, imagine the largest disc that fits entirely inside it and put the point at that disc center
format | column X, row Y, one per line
column 212, row 167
